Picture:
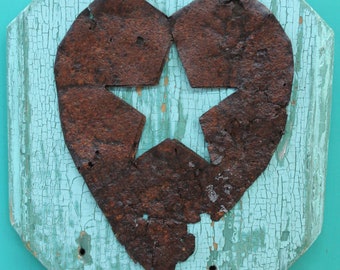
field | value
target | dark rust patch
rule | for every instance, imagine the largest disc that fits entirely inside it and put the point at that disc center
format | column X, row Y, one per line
column 150, row 200
column 114, row 43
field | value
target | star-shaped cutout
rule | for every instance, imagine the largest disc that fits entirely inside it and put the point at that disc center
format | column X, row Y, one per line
column 173, row 108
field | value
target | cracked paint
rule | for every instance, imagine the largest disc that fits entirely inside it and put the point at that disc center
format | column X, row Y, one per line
column 46, row 190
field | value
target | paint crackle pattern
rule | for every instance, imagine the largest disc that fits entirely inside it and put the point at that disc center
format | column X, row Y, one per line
column 150, row 200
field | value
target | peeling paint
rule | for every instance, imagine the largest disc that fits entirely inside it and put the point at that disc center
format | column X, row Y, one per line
column 84, row 248
column 163, row 108
column 166, row 81
column 139, row 90
column 300, row 20
column 278, row 194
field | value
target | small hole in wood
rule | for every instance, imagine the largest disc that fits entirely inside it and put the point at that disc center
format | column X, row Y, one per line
column 82, row 251
column 213, row 267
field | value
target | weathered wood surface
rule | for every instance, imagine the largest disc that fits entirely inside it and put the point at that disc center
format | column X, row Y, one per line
column 51, row 208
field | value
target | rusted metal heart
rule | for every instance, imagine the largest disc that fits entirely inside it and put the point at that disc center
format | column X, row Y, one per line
column 150, row 200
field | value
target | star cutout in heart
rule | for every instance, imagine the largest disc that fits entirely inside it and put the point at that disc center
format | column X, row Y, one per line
column 172, row 108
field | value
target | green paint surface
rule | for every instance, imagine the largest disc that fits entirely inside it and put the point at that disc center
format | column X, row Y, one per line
column 226, row 241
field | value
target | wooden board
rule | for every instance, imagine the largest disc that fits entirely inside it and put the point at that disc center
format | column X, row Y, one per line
column 51, row 208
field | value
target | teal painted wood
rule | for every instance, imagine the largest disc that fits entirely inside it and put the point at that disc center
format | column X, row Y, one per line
column 51, row 208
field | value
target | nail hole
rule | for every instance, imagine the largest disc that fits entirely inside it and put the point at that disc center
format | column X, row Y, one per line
column 140, row 41
column 213, row 267
column 82, row 251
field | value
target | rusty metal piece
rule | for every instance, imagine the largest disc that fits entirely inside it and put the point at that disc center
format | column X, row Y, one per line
column 114, row 42
column 232, row 44
column 150, row 200
column 149, row 210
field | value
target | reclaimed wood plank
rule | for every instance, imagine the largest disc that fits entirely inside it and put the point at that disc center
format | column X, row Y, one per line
column 51, row 208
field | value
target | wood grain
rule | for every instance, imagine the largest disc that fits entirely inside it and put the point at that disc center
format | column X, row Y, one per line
column 51, row 208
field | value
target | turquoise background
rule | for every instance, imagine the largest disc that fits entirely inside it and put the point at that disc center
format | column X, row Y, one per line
column 325, row 252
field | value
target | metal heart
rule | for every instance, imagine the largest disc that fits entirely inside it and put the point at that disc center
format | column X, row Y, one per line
column 150, row 200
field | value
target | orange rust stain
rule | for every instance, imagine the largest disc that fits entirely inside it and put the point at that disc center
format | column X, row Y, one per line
column 212, row 224
column 215, row 246
column 163, row 108
column 300, row 20
column 28, row 246
column 139, row 90
column 166, row 81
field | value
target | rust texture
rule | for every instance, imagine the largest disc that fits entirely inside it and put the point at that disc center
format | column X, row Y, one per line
column 150, row 200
